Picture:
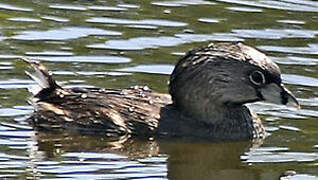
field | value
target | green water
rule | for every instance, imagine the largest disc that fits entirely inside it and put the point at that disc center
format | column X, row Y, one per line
column 123, row 43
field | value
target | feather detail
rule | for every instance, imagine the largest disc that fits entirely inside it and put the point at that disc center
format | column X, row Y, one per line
column 43, row 77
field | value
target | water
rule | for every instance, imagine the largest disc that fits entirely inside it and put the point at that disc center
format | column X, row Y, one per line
column 124, row 43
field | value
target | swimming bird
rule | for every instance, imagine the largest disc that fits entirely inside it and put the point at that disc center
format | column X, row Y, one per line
column 208, row 88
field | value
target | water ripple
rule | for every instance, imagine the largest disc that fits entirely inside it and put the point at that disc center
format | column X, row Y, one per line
column 70, row 169
column 289, row 128
column 155, row 22
column 9, row 56
column 12, row 142
column 300, row 80
column 283, row 111
column 12, row 112
column 209, row 20
column 16, row 125
column 88, row 73
column 116, row 166
column 17, row 134
column 290, row 21
column 56, row 19
column 68, row 7
column 6, row 65
column 312, row 49
column 147, row 27
column 150, row 27
column 110, row 176
column 308, row 102
column 6, row 68
column 180, row 3
column 245, row 9
column 276, row 110
column 65, row 33
column 141, row 43
column 283, row 114
column 295, row 60
column 24, row 19
column 130, row 6
column 187, row 38
column 306, row 112
column 15, row 84
column 275, row 33
column 14, row 8
column 90, row 155
column 303, row 177
column 107, row 8
column 84, row 59
column 310, row 6
column 49, row 53
column 259, row 156
column 164, row 69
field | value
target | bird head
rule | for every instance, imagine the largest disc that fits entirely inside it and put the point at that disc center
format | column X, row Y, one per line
column 226, row 75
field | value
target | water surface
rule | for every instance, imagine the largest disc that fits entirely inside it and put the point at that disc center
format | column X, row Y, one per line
column 124, row 43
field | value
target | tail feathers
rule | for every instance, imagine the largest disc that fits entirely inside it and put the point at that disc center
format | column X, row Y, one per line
column 43, row 77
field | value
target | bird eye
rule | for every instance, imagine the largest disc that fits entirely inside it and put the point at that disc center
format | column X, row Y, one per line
column 257, row 78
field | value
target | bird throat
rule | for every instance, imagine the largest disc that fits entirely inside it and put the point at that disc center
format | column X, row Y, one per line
column 224, row 120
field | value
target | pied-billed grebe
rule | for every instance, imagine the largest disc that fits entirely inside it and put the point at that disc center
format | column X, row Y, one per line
column 208, row 89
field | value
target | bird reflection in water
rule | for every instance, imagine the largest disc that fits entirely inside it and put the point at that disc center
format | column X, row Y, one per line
column 183, row 159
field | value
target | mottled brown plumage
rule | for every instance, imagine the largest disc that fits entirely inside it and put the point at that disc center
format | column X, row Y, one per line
column 209, row 87
column 108, row 111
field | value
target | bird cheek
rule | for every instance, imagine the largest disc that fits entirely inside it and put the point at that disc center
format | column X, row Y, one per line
column 272, row 93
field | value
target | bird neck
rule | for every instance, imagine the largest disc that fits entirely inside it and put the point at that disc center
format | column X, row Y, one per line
column 228, row 123
column 223, row 114
column 239, row 116
column 212, row 112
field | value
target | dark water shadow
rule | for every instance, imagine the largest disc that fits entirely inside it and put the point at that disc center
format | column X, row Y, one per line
column 182, row 159
column 207, row 160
